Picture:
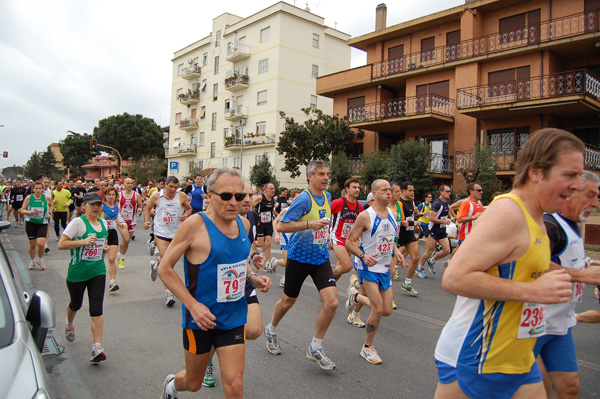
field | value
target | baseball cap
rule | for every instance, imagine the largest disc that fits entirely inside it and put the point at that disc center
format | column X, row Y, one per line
column 120, row 181
column 78, row 181
column 370, row 197
column 150, row 182
column 92, row 198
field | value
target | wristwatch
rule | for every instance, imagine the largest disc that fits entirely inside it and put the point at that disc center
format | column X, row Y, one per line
column 362, row 255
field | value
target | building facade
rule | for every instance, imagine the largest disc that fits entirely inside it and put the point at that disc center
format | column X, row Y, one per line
column 229, row 87
column 490, row 70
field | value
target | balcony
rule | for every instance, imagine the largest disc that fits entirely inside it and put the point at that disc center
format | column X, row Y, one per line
column 190, row 98
column 188, row 124
column 236, row 113
column 238, row 53
column 181, row 151
column 403, row 112
column 592, row 157
column 250, row 140
column 236, row 82
column 566, row 94
column 191, row 72
column 505, row 161
column 442, row 164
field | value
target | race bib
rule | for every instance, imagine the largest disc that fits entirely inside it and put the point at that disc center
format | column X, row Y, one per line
column 19, row 197
column 578, row 289
column 38, row 212
column 127, row 214
column 170, row 217
column 231, row 281
column 265, row 217
column 385, row 246
column 321, row 237
column 346, row 227
column 111, row 224
column 533, row 320
column 94, row 252
column 284, row 205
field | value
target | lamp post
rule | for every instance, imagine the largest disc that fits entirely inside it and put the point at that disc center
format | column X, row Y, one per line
column 242, row 123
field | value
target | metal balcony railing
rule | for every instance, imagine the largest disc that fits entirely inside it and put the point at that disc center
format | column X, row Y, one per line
column 442, row 163
column 592, row 157
column 190, row 70
column 536, row 88
column 188, row 97
column 559, row 28
column 239, row 49
column 189, row 148
column 236, row 79
column 190, row 122
column 402, row 107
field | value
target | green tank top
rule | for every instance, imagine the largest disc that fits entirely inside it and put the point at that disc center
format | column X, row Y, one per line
column 87, row 262
column 39, row 208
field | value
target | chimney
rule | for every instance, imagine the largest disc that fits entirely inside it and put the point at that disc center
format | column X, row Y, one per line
column 380, row 16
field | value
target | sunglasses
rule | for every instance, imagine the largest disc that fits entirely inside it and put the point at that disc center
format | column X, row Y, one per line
column 227, row 196
column 480, row 190
column 447, row 191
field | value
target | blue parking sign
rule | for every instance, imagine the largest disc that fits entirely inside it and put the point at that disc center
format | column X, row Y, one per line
column 174, row 165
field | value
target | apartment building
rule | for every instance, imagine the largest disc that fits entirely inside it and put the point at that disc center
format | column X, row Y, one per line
column 489, row 70
column 229, row 87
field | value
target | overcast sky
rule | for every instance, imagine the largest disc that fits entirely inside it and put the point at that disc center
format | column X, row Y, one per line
column 66, row 64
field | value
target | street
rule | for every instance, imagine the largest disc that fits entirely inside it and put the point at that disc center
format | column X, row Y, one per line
column 143, row 338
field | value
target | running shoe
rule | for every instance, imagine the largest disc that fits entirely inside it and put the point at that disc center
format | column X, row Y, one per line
column 121, row 262
column 40, row 264
column 446, row 262
column 430, row 264
column 98, row 354
column 150, row 247
column 46, row 250
column 170, row 299
column 356, row 321
column 408, row 288
column 272, row 342
column 156, row 251
column 273, row 265
column 282, row 282
column 113, row 287
column 209, row 379
column 369, row 353
column 32, row 264
column 70, row 332
column 394, row 307
column 153, row 270
column 166, row 381
column 354, row 281
column 132, row 237
column 420, row 272
column 320, row 358
column 351, row 301
column 396, row 276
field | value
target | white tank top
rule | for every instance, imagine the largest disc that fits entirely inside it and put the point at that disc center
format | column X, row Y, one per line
column 561, row 316
column 378, row 240
column 166, row 219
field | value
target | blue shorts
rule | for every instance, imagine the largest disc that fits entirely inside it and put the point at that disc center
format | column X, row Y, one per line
column 424, row 230
column 557, row 352
column 383, row 279
column 487, row 386
column 283, row 247
column 439, row 233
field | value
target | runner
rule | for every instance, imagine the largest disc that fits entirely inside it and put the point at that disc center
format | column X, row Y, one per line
column 438, row 220
column 281, row 239
column 86, row 238
column 172, row 208
column 487, row 345
column 37, row 209
column 424, row 208
column 265, row 206
column 6, row 200
column 468, row 212
column 282, row 201
column 556, row 349
column 62, row 199
column 406, row 236
column 196, row 193
column 17, row 196
column 308, row 255
column 130, row 203
column 78, row 194
column 216, row 248
column 110, row 213
column 72, row 189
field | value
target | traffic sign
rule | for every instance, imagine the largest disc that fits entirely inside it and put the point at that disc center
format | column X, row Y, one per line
column 174, row 165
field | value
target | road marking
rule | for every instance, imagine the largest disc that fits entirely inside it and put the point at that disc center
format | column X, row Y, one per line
column 588, row 365
column 430, row 320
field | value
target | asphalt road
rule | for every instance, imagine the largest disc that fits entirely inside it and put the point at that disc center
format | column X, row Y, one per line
column 142, row 339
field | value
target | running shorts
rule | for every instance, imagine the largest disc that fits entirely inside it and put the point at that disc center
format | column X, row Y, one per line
column 297, row 272
column 113, row 237
column 438, row 234
column 383, row 279
column 198, row 342
column 264, row 229
column 407, row 238
column 36, row 230
column 557, row 352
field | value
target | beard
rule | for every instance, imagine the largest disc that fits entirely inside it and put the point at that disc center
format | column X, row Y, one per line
column 583, row 218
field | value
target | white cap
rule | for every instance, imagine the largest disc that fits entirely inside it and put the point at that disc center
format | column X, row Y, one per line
column 370, row 197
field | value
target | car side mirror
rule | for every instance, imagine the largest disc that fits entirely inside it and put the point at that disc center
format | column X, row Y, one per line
column 41, row 315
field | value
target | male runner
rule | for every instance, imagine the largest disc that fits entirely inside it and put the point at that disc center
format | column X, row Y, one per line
column 438, row 220
column 96, row 187
column 282, row 200
column 17, row 196
column 406, row 235
column 216, row 248
column 308, row 255
column 172, row 208
column 73, row 190
column 501, row 277
column 62, row 199
column 130, row 203
column 265, row 207
column 196, row 193
column 282, row 240
column 556, row 349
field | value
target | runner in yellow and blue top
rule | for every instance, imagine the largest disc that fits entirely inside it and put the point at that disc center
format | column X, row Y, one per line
column 486, row 348
column 86, row 238
column 308, row 255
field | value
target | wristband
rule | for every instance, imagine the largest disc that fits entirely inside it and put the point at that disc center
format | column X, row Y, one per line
column 250, row 275
column 307, row 225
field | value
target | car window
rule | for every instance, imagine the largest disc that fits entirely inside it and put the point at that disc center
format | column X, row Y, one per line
column 6, row 318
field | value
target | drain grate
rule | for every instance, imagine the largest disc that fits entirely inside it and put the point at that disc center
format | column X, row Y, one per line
column 51, row 347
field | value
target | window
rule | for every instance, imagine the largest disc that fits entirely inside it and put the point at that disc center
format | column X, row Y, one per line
column 213, row 149
column 238, row 132
column 191, row 166
column 205, row 59
column 177, row 118
column 315, row 40
column 216, row 64
column 453, row 45
column 228, row 105
column 229, row 48
column 204, row 83
column 226, row 133
column 263, row 65
column 193, row 140
column 214, row 121
column 202, row 111
column 315, row 71
column 261, row 128
column 215, row 91
column 195, row 62
column 356, row 109
column 237, row 161
column 313, row 102
column 224, row 162
column 507, row 141
column 262, row 97
column 200, row 165
column 258, row 158
column 396, row 52
column 179, row 69
column 427, row 49
column 509, row 82
column 179, row 92
column 264, row 34
column 218, row 39
column 201, row 138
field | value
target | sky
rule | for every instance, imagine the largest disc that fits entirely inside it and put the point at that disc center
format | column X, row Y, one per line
column 66, row 64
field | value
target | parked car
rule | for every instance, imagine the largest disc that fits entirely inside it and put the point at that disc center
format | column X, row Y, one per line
column 24, row 323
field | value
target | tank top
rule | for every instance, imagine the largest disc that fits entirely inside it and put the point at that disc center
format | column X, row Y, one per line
column 265, row 210
column 423, row 208
column 408, row 213
column 196, row 200
column 342, row 222
column 39, row 208
column 166, row 219
column 87, row 262
column 379, row 240
column 219, row 281
column 110, row 215
column 127, row 207
column 498, row 336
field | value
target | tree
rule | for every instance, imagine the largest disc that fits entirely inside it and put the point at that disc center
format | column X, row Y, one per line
column 410, row 160
column 318, row 137
column 262, row 173
column 12, row 172
column 134, row 136
column 32, row 168
column 374, row 167
column 147, row 168
column 340, row 170
column 48, row 165
column 76, row 152
column 481, row 168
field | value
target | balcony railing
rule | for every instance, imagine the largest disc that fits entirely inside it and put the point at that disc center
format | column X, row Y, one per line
column 191, row 72
column 235, row 113
column 505, row 161
column 232, row 82
column 188, row 124
column 545, row 31
column 442, row 163
column 592, row 157
column 402, row 107
column 267, row 139
column 187, row 99
column 238, row 52
column 185, row 149
column 536, row 88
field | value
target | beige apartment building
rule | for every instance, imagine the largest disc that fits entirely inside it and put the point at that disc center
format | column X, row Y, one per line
column 229, row 87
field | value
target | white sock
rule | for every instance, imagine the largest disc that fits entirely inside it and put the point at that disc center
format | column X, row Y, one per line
column 355, row 313
column 316, row 344
column 171, row 389
column 112, row 281
column 408, row 281
column 272, row 330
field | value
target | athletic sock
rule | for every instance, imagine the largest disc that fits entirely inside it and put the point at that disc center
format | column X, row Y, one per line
column 171, row 389
column 316, row 344
column 354, row 314
column 272, row 330
column 408, row 281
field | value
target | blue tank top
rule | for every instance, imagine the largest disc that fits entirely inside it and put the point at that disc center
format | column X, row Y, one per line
column 219, row 282
column 110, row 213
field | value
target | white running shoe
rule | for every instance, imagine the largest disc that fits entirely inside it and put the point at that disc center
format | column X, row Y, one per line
column 153, row 270
column 282, row 282
column 169, row 298
column 369, row 353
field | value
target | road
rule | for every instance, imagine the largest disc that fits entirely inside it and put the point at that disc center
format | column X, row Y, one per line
column 142, row 339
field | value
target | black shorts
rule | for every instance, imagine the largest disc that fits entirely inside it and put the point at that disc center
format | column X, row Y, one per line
column 72, row 207
column 406, row 238
column 251, row 296
column 95, row 288
column 113, row 237
column 78, row 202
column 297, row 272
column 264, row 229
column 163, row 238
column 17, row 205
column 36, row 230
column 198, row 342
column 439, row 234
column 196, row 210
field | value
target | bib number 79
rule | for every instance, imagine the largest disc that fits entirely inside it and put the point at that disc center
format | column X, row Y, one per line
column 231, row 286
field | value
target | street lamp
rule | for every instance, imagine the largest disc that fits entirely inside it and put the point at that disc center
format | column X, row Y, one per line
column 242, row 123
